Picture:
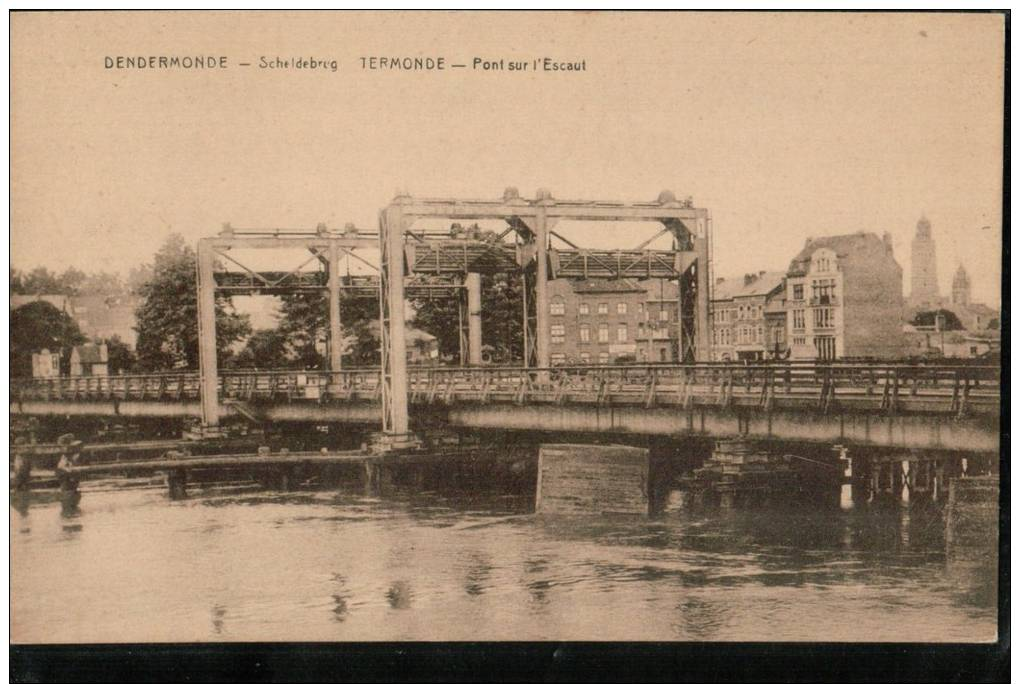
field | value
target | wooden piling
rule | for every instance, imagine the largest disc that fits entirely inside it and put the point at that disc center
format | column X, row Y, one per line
column 177, row 483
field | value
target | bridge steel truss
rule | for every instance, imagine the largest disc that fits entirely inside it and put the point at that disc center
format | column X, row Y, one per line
column 325, row 247
column 533, row 224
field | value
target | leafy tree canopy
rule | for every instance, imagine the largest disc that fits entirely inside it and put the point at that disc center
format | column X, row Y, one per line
column 37, row 326
column 167, row 318
column 502, row 316
column 72, row 282
column 927, row 318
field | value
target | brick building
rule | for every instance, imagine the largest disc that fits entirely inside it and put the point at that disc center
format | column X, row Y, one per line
column 748, row 318
column 844, row 299
column 612, row 321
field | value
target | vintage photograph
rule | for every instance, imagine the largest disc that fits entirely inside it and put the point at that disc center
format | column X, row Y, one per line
column 467, row 326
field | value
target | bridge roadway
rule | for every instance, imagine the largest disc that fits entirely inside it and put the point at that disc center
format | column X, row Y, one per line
column 934, row 407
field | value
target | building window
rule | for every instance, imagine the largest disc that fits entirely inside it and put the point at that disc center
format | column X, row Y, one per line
column 603, row 332
column 826, row 347
column 798, row 319
column 798, row 292
column 663, row 314
column 798, row 341
column 585, row 357
column 603, row 308
column 621, row 308
column 640, row 307
column 823, row 318
column 662, row 355
column 557, row 333
column 603, row 357
column 822, row 291
column 583, row 308
column 621, row 332
column 557, row 308
column 558, row 359
column 585, row 333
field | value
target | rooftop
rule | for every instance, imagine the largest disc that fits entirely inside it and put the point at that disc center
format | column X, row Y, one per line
column 843, row 245
column 751, row 285
column 583, row 287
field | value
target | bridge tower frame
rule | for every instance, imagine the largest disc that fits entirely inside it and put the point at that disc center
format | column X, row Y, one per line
column 325, row 246
column 534, row 222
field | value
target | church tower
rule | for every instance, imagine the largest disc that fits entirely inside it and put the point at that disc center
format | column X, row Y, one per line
column 961, row 287
column 924, row 287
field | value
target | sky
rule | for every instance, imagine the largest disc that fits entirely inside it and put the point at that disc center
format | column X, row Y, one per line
column 783, row 125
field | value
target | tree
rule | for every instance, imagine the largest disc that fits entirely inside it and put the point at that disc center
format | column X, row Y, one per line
column 122, row 359
column 304, row 321
column 71, row 280
column 502, row 318
column 264, row 349
column 41, row 281
column 37, row 326
column 927, row 318
column 102, row 283
column 167, row 318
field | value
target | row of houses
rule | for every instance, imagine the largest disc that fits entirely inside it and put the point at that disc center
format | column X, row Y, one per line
column 840, row 297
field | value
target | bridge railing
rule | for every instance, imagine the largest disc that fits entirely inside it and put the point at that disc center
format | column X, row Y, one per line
column 882, row 386
column 888, row 386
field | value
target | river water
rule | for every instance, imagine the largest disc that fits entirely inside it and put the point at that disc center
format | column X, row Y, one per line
column 337, row 565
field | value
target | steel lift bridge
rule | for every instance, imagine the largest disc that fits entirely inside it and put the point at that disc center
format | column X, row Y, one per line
column 417, row 262
column 532, row 224
column 222, row 270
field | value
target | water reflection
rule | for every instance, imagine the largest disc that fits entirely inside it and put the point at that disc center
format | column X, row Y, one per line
column 312, row 560
column 699, row 619
column 399, row 595
column 476, row 581
column 341, row 598
column 218, row 613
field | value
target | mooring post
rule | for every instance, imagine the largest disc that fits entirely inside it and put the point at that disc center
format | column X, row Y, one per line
column 846, row 494
column 177, row 483
column 905, row 489
column 370, row 477
column 22, row 471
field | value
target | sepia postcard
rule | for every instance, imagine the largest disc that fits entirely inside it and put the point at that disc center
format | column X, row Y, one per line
column 454, row 326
